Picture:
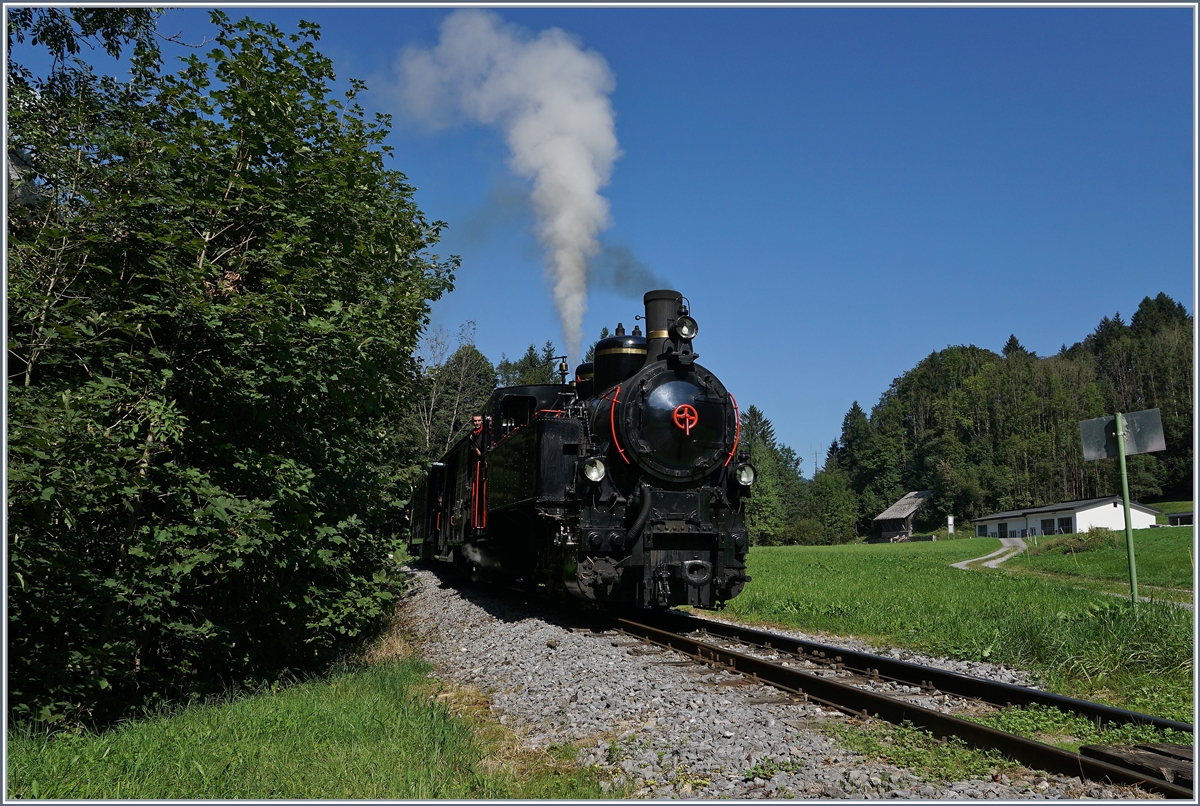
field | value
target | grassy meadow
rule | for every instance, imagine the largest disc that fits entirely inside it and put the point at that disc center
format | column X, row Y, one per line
column 1170, row 508
column 382, row 731
column 1080, row 642
column 1164, row 560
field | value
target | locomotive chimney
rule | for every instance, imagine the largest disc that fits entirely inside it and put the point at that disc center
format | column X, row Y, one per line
column 661, row 309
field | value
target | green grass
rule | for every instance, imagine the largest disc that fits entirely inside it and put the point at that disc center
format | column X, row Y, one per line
column 1080, row 642
column 915, row 749
column 1170, row 508
column 1070, row 731
column 378, row 732
column 1163, row 556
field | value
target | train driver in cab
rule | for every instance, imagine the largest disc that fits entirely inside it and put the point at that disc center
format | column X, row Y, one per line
column 477, row 437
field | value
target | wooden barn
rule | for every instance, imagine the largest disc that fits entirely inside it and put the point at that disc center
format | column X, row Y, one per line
column 896, row 522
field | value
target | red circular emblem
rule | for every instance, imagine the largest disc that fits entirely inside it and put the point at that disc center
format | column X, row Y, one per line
column 686, row 417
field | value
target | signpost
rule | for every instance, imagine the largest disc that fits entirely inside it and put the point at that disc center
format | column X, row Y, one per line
column 1117, row 437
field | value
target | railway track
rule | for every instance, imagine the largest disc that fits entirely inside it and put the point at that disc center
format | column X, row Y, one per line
column 1167, row 773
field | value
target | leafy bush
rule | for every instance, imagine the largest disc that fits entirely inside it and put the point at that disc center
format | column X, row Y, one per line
column 216, row 288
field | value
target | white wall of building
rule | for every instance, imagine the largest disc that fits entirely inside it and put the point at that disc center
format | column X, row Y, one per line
column 1105, row 515
column 1112, row 517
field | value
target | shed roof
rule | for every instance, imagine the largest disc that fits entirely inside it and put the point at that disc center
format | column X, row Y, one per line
column 905, row 506
column 1065, row 506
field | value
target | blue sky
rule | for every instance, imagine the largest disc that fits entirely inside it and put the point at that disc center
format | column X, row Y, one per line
column 839, row 192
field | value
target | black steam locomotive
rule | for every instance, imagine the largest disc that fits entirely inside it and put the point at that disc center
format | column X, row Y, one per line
column 624, row 488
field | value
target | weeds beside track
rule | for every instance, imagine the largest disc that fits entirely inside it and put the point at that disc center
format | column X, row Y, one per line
column 1082, row 643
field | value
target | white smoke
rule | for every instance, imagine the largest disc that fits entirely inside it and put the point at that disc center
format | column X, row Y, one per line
column 550, row 98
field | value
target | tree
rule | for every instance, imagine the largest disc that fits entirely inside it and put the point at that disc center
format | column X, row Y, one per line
column 1154, row 315
column 758, row 434
column 591, row 351
column 452, row 389
column 1108, row 332
column 855, row 444
column 832, row 504
column 214, row 304
column 1013, row 347
column 778, row 497
column 64, row 31
column 531, row 368
column 831, row 454
column 793, row 498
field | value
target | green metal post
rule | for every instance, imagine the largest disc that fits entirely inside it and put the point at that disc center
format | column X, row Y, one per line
column 1125, row 495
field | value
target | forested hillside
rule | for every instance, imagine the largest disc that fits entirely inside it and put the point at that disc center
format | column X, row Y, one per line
column 989, row 432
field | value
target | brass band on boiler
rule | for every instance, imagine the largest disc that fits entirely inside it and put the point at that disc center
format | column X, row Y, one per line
column 622, row 351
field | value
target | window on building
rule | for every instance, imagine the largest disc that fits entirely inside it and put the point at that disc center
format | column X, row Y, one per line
column 1048, row 526
column 1003, row 529
column 981, row 530
column 1064, row 526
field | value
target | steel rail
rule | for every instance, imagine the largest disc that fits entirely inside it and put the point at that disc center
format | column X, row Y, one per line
column 867, row 703
column 946, row 682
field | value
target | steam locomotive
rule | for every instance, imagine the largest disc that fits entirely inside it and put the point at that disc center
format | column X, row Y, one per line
column 624, row 488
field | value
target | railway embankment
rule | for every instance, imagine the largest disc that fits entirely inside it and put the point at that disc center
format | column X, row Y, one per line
column 658, row 726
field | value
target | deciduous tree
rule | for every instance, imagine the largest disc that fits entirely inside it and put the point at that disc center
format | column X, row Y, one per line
column 215, row 294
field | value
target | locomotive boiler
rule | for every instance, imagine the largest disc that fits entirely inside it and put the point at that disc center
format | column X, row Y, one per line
column 625, row 488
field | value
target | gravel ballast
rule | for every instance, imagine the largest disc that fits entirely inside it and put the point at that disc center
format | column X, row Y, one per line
column 661, row 728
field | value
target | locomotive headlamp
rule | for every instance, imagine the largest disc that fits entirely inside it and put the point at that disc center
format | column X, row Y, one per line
column 594, row 469
column 686, row 327
column 744, row 474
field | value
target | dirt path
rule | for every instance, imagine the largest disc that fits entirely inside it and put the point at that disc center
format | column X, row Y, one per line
column 1012, row 546
column 1009, row 547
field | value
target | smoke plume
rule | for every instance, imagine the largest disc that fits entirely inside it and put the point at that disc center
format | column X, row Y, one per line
column 616, row 268
column 550, row 98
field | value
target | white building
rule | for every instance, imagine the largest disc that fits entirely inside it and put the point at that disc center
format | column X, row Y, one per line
column 1065, row 518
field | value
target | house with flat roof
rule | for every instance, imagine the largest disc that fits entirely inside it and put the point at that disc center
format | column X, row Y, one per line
column 1066, row 518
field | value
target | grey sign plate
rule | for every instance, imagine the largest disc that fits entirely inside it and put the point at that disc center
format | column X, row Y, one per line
column 1143, row 434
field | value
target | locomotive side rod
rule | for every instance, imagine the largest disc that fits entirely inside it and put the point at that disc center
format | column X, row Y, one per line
column 1034, row 754
column 947, row 682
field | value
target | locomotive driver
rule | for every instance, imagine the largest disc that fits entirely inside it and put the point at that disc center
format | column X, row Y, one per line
column 478, row 469
column 476, row 437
